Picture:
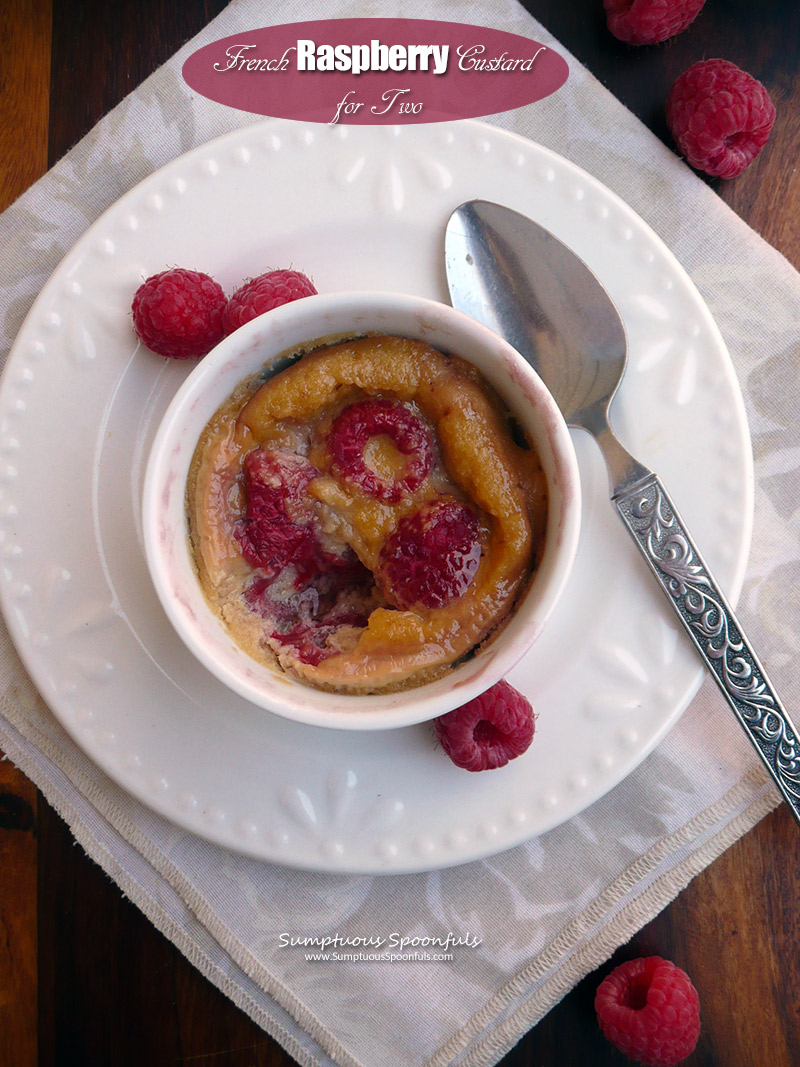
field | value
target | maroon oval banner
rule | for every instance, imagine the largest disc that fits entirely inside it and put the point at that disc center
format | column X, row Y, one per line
column 375, row 71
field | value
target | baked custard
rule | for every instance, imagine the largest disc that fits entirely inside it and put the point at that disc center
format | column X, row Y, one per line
column 366, row 517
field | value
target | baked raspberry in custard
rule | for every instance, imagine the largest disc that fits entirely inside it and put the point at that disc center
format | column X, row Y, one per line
column 366, row 517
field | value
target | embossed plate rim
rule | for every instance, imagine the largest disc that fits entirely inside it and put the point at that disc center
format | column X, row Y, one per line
column 337, row 807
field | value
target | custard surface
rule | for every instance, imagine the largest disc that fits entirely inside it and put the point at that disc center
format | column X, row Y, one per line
column 329, row 614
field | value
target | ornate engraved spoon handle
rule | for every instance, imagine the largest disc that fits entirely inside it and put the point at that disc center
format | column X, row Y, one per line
column 650, row 515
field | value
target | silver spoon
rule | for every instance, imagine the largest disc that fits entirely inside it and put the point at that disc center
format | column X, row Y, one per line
column 511, row 274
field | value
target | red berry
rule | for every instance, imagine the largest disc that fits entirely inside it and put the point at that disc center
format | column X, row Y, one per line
column 488, row 731
column 310, row 643
column 720, row 117
column 649, row 21
column 339, row 595
column 431, row 557
column 278, row 526
column 649, row 1009
column 264, row 293
column 178, row 313
column 376, row 417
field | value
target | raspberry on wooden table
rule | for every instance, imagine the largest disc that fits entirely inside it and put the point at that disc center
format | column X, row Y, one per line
column 649, row 21
column 369, row 420
column 649, row 1009
column 488, row 731
column 720, row 116
column 178, row 313
column 264, row 293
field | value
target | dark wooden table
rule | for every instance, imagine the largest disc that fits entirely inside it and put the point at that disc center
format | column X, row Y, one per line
column 84, row 978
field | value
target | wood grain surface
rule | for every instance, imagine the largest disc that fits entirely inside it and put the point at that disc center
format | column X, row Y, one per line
column 84, row 978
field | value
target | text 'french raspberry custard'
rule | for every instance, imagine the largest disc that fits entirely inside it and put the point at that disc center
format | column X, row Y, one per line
column 367, row 517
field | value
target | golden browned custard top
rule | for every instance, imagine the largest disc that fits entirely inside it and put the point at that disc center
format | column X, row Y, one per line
column 366, row 517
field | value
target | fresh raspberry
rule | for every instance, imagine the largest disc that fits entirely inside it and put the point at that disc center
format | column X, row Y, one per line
column 720, row 117
column 178, row 313
column 488, row 731
column 264, row 293
column 649, row 21
column 431, row 557
column 358, row 424
column 649, row 1009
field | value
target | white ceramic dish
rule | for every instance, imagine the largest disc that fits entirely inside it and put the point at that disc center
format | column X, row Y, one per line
column 247, row 352
column 609, row 676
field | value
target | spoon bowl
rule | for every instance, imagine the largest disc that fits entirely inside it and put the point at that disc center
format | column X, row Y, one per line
column 566, row 323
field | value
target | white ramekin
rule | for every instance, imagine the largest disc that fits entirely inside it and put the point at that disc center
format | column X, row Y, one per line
column 257, row 344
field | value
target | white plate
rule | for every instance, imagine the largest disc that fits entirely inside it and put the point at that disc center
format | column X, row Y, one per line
column 355, row 207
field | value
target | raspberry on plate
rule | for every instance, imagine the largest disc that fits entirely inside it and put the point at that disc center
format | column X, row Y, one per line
column 649, row 1009
column 366, row 422
column 649, row 21
column 264, row 293
column 432, row 556
column 488, row 731
column 178, row 313
column 720, row 116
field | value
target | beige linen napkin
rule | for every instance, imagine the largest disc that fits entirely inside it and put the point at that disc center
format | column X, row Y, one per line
column 548, row 911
